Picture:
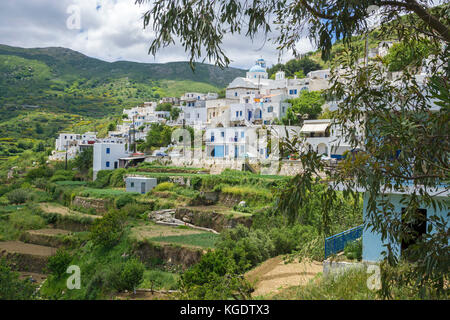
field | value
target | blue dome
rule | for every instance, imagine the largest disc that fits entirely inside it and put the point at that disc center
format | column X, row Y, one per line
column 257, row 68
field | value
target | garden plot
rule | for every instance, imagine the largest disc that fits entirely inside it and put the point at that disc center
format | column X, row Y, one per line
column 27, row 248
column 26, row 257
column 45, row 237
column 64, row 211
column 181, row 235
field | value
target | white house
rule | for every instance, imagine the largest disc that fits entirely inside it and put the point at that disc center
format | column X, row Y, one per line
column 325, row 137
column 107, row 155
column 66, row 140
column 140, row 184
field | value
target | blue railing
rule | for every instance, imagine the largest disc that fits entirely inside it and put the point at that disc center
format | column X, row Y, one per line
column 336, row 243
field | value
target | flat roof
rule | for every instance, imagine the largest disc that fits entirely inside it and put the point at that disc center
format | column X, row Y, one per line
column 132, row 158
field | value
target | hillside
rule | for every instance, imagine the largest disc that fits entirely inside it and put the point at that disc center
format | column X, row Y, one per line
column 59, row 79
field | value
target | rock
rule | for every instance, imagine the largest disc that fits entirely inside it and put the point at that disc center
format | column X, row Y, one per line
column 242, row 204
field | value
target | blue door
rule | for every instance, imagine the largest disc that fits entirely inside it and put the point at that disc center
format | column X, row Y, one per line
column 236, row 151
column 218, row 151
column 249, row 115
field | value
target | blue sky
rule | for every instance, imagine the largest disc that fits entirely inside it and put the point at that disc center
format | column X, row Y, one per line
column 110, row 30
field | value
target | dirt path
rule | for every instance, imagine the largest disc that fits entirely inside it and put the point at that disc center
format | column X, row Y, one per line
column 49, row 232
column 26, row 248
column 55, row 208
column 274, row 274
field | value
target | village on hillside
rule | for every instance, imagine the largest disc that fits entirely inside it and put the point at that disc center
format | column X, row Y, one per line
column 325, row 177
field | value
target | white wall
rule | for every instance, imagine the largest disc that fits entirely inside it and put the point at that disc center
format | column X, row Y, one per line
column 102, row 157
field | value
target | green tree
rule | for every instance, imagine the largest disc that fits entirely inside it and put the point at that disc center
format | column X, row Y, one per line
column 84, row 160
column 295, row 67
column 57, row 264
column 408, row 54
column 109, row 230
column 132, row 274
column 166, row 106
column 159, row 135
column 308, row 103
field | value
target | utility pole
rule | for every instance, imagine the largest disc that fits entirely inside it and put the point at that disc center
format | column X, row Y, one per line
column 67, row 147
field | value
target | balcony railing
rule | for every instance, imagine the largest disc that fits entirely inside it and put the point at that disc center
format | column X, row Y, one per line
column 336, row 243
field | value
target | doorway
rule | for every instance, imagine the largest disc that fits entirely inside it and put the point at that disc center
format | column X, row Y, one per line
column 415, row 229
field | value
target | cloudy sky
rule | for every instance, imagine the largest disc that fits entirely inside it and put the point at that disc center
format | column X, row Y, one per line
column 110, row 30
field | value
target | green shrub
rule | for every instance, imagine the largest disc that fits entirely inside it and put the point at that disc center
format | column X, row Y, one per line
column 57, row 264
column 108, row 230
column 164, row 186
column 123, row 200
column 24, row 220
column 103, row 178
column 41, row 183
column 42, row 172
column 353, row 250
column 17, row 196
column 124, row 276
column 117, row 178
column 13, row 288
column 135, row 209
column 132, row 274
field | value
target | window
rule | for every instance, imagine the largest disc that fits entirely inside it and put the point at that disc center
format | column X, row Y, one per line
column 107, row 164
column 295, row 91
column 222, row 134
column 242, row 149
column 270, row 109
column 240, row 113
column 108, row 150
column 246, row 100
column 242, row 134
column 235, row 94
column 132, row 184
column 237, row 114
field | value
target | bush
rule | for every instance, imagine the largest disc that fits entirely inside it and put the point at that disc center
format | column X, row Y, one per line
column 132, row 274
column 17, row 196
column 353, row 250
column 123, row 200
column 42, row 172
column 13, row 288
column 41, row 183
column 164, row 186
column 124, row 276
column 57, row 264
column 108, row 230
column 135, row 209
column 24, row 220
column 117, row 178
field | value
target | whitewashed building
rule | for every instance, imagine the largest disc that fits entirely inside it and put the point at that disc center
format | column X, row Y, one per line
column 107, row 155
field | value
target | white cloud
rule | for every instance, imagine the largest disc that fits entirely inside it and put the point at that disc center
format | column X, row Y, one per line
column 110, row 30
